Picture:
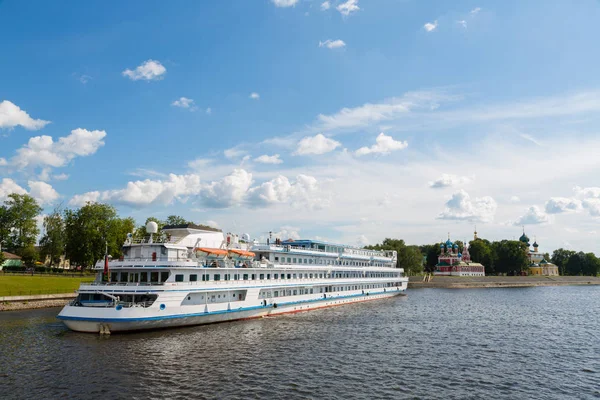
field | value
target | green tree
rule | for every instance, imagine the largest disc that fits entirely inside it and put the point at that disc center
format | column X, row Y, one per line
column 510, row 256
column 5, row 226
column 575, row 263
column 591, row 266
column 481, row 251
column 560, row 257
column 409, row 257
column 93, row 228
column 52, row 242
column 431, row 253
column 175, row 220
column 22, row 211
column 29, row 255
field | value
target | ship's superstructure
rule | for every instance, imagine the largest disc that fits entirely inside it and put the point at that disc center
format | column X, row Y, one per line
column 195, row 274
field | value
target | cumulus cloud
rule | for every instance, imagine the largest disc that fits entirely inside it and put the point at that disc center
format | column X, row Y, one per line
column 348, row 7
column 325, row 5
column 41, row 191
column 318, row 144
column 254, row 96
column 533, row 216
column 42, row 151
column 462, row 23
column 557, row 205
column 3, row 162
column 145, row 192
column 265, row 159
column 149, row 70
column 284, row 3
column 228, row 191
column 305, row 191
column 448, row 180
column 184, row 102
column 11, row 116
column 234, row 153
column 332, row 44
column 383, row 145
column 475, row 11
column 430, row 26
column 462, row 207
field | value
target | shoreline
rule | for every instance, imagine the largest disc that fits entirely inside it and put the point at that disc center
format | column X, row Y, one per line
column 466, row 282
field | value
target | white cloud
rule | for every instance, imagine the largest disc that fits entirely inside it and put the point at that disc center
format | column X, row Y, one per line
column 558, row 205
column 475, row 11
column 8, row 186
column 348, row 7
column 514, row 199
column 587, row 193
column 3, row 162
column 42, row 151
column 533, row 216
column 383, row 145
column 461, row 207
column 332, row 44
column 462, row 23
column 11, row 116
column 318, row 144
column 369, row 113
column 305, row 191
column 228, row 191
column 42, row 192
column 212, row 224
column 325, row 5
column 592, row 206
column 362, row 241
column 265, row 159
column 449, row 180
column 254, row 96
column 234, row 153
column 208, row 111
column 60, row 177
column 531, row 139
column 284, row 3
column 146, row 192
column 184, row 102
column 430, row 26
column 149, row 70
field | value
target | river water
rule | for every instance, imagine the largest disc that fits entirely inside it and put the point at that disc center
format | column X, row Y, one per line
column 526, row 343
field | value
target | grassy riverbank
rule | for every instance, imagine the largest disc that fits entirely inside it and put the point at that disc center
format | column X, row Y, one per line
column 15, row 285
column 458, row 282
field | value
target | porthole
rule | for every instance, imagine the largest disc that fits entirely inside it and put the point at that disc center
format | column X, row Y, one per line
column 189, row 297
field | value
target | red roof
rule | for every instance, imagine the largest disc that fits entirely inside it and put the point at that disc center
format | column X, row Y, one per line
column 10, row 256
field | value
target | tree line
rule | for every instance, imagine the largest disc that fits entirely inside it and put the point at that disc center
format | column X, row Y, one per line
column 498, row 257
column 82, row 235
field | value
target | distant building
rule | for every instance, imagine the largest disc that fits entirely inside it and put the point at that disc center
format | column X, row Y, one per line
column 10, row 260
column 538, row 265
column 453, row 263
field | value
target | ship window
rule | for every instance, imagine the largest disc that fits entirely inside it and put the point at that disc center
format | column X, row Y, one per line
column 179, row 278
column 311, row 291
column 193, row 278
column 275, row 276
column 227, row 277
column 245, row 277
column 305, row 262
column 163, row 251
column 164, row 276
column 310, row 261
column 253, row 277
column 276, row 293
column 262, row 276
column 268, row 276
column 289, row 260
column 276, row 258
column 217, row 277
column 295, row 292
column 294, row 260
column 143, row 277
column 114, row 276
column 124, row 276
column 289, row 276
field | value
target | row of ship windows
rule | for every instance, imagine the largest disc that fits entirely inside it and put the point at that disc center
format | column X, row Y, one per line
column 265, row 294
column 325, row 261
column 246, row 277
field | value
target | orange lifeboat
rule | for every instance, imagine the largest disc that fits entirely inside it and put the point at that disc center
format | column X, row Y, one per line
column 210, row 252
column 238, row 254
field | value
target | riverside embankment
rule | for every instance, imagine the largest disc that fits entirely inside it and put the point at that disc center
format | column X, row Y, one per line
column 465, row 282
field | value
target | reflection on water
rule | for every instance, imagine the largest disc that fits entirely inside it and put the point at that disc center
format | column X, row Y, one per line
column 434, row 343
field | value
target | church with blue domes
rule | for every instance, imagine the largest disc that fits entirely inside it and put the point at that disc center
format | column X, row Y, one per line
column 451, row 262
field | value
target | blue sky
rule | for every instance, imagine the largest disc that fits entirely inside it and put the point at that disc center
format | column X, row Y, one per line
column 369, row 120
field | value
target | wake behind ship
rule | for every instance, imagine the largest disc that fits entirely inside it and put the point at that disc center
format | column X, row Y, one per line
column 196, row 275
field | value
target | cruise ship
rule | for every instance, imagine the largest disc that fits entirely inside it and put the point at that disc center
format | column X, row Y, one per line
column 191, row 275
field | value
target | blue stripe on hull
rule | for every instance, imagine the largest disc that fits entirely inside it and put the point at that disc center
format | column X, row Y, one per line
column 240, row 309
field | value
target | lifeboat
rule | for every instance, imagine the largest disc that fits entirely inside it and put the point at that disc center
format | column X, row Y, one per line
column 210, row 253
column 238, row 254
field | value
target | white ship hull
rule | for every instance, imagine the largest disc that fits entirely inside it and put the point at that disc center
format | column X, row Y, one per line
column 97, row 319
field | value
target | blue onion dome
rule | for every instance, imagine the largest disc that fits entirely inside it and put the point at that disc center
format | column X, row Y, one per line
column 460, row 254
column 535, row 244
column 524, row 238
column 455, row 246
column 449, row 243
column 442, row 245
column 543, row 261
